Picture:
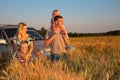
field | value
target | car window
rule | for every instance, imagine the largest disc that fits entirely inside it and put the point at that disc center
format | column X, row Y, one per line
column 11, row 32
column 2, row 37
column 35, row 34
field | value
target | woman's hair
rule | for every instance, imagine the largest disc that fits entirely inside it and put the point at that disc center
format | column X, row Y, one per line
column 20, row 29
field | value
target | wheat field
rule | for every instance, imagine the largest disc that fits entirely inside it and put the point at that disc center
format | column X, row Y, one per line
column 94, row 58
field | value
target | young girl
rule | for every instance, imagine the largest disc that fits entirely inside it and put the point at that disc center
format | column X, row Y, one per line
column 62, row 29
column 54, row 13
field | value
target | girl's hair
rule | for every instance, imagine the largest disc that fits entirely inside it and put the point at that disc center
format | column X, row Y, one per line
column 54, row 11
column 20, row 29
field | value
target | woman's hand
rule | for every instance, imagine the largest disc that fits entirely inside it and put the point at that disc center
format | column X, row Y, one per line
column 26, row 57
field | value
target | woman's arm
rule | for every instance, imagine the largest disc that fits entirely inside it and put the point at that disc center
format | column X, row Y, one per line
column 31, row 48
column 15, row 47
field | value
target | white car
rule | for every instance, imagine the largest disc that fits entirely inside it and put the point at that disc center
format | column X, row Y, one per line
column 7, row 32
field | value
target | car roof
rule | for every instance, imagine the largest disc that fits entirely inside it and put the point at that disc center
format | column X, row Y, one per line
column 8, row 26
column 13, row 26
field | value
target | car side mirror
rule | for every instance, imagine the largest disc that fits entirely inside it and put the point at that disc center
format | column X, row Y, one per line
column 3, row 41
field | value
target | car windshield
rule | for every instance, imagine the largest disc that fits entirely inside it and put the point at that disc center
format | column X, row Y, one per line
column 35, row 34
column 12, row 31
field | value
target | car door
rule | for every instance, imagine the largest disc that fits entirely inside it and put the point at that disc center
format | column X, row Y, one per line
column 5, row 49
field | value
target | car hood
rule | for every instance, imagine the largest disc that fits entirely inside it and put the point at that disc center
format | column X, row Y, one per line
column 39, row 45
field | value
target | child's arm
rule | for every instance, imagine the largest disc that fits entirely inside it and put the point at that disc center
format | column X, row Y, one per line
column 66, row 39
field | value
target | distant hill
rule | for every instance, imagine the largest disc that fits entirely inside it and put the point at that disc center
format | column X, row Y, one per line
column 75, row 34
column 116, row 32
column 112, row 33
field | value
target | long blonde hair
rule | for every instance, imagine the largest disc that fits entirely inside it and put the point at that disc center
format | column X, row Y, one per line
column 20, row 29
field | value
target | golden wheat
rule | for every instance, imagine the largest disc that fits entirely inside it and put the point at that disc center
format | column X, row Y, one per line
column 94, row 58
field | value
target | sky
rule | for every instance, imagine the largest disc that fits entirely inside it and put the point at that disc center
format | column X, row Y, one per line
column 81, row 16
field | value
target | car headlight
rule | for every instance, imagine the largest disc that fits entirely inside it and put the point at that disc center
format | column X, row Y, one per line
column 70, row 47
column 45, row 52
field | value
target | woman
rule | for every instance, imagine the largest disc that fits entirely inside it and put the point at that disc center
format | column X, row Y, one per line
column 21, row 36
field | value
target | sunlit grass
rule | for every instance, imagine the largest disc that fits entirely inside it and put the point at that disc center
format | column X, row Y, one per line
column 94, row 58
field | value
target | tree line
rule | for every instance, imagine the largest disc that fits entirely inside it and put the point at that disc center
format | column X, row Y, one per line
column 42, row 31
